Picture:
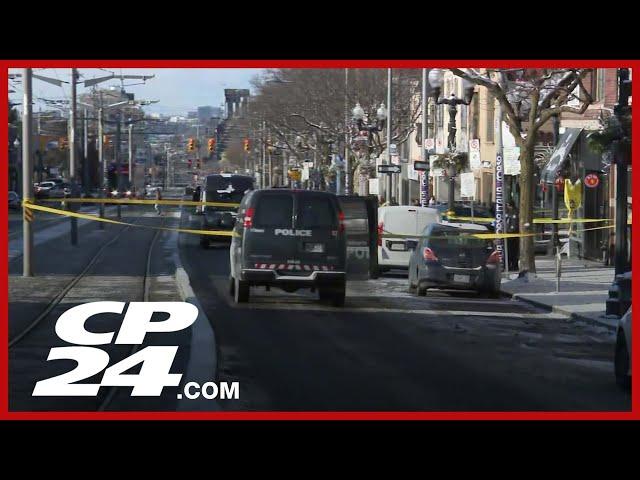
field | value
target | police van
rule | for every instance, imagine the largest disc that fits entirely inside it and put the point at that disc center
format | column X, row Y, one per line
column 290, row 239
column 221, row 188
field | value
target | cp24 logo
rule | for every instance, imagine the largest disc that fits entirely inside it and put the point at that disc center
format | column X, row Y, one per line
column 156, row 360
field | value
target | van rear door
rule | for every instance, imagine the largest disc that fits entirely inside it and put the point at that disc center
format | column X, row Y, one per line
column 269, row 241
column 320, row 243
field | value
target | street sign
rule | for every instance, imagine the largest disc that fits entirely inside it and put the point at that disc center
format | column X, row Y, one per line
column 474, row 154
column 467, row 185
column 393, row 149
column 420, row 166
column 591, row 180
column 389, row 168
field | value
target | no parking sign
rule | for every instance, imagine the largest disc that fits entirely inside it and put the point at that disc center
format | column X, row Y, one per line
column 591, row 180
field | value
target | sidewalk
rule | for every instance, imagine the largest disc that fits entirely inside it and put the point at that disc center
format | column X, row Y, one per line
column 584, row 289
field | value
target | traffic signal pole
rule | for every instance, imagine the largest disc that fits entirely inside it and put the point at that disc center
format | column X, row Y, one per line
column 117, row 158
column 27, row 183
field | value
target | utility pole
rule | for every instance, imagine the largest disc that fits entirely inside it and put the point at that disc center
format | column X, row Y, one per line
column 27, row 183
column 263, row 163
column 73, row 152
column 130, row 155
column 103, row 165
column 347, row 171
column 554, row 191
column 85, row 163
column 117, row 159
column 389, row 117
column 424, row 175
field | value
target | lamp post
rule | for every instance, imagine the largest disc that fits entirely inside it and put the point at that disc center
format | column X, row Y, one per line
column 363, row 125
column 436, row 80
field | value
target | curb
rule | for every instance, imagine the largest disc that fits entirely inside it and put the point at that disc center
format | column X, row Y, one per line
column 560, row 310
column 202, row 339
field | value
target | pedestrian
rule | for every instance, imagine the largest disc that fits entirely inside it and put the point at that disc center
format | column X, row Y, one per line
column 158, row 198
column 432, row 201
column 513, row 243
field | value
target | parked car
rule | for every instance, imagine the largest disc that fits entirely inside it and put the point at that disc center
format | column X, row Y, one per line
column 622, row 359
column 448, row 256
column 478, row 213
column 290, row 239
column 397, row 224
column 14, row 200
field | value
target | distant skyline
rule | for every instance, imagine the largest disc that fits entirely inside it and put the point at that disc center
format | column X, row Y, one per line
column 179, row 90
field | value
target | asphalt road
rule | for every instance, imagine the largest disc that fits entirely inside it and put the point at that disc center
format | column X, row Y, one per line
column 117, row 275
column 387, row 350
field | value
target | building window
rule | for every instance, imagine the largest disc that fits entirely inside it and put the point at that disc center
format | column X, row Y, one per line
column 490, row 127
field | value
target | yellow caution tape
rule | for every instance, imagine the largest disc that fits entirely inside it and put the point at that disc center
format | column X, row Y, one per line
column 571, row 220
column 85, row 216
column 126, row 201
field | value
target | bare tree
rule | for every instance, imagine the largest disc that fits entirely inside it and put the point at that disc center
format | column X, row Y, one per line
column 529, row 98
column 304, row 110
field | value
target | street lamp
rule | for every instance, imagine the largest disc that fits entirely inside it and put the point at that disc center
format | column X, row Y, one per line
column 436, row 80
column 363, row 126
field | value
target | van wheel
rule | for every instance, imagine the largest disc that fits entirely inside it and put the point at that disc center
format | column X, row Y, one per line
column 422, row 292
column 204, row 243
column 240, row 291
column 338, row 296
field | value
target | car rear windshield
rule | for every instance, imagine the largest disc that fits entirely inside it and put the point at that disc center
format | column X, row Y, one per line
column 227, row 189
column 316, row 211
column 274, row 211
column 457, row 238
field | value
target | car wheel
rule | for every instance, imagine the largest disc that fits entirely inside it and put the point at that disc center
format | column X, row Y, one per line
column 339, row 293
column 204, row 243
column 240, row 291
column 422, row 292
column 621, row 363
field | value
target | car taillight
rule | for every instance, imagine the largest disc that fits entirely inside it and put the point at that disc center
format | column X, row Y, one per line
column 341, row 221
column 380, row 230
column 494, row 258
column 428, row 254
column 248, row 218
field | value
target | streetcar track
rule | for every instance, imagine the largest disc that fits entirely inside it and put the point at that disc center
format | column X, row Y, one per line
column 146, row 285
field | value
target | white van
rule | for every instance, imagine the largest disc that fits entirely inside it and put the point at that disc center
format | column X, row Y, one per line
column 396, row 225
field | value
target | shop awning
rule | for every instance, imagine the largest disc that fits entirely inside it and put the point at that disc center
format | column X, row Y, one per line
column 558, row 158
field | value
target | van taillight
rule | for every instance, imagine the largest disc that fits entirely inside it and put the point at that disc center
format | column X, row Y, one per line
column 428, row 254
column 341, row 220
column 248, row 218
column 494, row 258
column 380, row 230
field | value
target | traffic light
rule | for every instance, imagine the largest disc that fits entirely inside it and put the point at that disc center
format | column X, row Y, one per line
column 191, row 145
column 212, row 144
column 246, row 145
column 63, row 143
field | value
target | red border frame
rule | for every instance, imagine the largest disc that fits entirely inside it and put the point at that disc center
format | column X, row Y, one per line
column 4, row 332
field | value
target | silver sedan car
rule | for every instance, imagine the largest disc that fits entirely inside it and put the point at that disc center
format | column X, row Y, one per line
column 622, row 359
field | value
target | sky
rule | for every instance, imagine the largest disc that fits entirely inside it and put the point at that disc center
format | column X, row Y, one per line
column 179, row 90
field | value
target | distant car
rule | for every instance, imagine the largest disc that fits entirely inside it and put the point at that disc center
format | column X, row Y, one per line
column 59, row 190
column 14, row 200
column 622, row 359
column 397, row 224
column 448, row 256
column 222, row 188
column 120, row 194
column 42, row 190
